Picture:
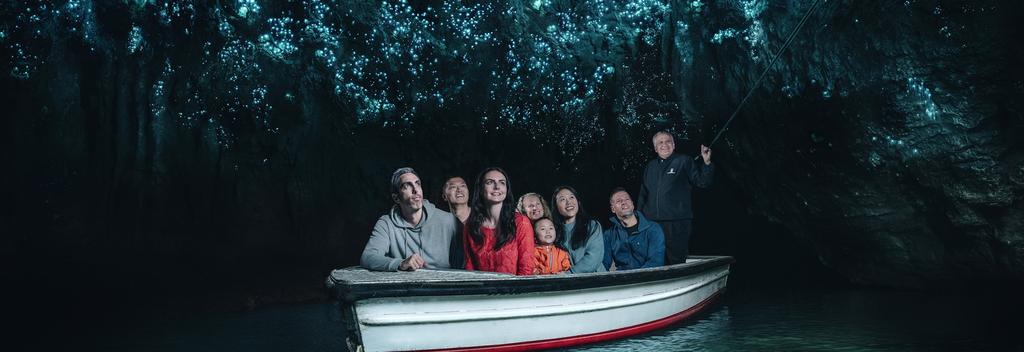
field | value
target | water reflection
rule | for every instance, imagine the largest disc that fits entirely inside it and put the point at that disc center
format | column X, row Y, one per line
column 307, row 327
column 757, row 319
column 688, row 336
column 840, row 320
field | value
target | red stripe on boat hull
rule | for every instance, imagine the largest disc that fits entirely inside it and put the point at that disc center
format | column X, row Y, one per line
column 596, row 337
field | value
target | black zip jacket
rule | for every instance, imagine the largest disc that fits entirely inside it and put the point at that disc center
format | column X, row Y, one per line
column 665, row 193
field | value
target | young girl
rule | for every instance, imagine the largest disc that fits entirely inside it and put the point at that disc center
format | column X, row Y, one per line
column 551, row 258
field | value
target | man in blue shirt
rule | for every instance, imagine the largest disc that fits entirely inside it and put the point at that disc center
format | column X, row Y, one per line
column 632, row 242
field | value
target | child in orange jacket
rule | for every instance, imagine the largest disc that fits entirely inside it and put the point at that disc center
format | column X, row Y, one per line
column 551, row 259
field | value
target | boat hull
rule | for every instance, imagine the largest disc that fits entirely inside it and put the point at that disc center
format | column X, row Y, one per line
column 528, row 319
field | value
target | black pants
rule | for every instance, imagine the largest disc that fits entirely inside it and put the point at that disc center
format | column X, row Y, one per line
column 677, row 239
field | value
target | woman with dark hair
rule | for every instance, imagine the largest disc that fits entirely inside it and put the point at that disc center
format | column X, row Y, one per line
column 496, row 238
column 578, row 233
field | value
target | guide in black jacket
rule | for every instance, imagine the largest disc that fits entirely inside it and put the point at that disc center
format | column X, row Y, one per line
column 665, row 193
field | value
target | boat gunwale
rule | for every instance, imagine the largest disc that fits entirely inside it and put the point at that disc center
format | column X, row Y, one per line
column 350, row 292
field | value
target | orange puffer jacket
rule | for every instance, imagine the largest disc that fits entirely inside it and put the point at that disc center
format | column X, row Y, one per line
column 550, row 259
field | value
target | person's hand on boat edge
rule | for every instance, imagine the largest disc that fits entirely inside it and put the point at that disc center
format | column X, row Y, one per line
column 411, row 263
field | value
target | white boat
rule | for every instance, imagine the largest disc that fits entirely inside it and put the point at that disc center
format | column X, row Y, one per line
column 466, row 310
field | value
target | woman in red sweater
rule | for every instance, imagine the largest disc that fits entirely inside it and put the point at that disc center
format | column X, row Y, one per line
column 495, row 237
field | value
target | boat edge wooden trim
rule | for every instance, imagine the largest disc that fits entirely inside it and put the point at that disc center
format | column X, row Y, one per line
column 348, row 292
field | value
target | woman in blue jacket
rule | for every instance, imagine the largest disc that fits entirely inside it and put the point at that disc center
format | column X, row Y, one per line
column 578, row 233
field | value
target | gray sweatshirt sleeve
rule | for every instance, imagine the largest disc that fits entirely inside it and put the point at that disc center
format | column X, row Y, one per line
column 375, row 254
column 593, row 258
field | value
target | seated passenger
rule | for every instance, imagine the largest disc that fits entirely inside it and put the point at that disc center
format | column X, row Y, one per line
column 577, row 232
column 495, row 237
column 533, row 206
column 413, row 235
column 551, row 258
column 632, row 242
column 456, row 194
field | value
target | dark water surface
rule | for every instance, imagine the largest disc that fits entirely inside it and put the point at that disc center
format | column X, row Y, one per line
column 845, row 320
column 779, row 318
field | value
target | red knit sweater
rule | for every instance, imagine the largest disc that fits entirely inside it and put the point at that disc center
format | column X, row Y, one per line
column 516, row 257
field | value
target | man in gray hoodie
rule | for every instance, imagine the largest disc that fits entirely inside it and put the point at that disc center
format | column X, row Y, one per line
column 414, row 234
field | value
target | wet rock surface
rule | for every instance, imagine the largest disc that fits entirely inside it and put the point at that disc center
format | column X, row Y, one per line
column 897, row 159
